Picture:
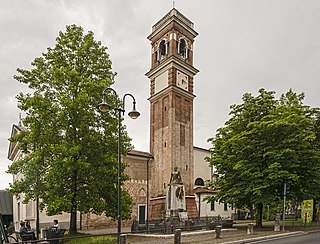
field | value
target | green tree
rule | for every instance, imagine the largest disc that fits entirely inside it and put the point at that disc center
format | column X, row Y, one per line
column 265, row 143
column 71, row 164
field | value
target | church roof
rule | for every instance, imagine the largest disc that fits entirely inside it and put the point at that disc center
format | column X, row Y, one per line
column 204, row 190
column 13, row 146
column 149, row 155
column 168, row 16
column 173, row 16
column 201, row 149
column 139, row 153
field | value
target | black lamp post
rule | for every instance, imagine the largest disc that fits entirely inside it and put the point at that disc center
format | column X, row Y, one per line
column 104, row 107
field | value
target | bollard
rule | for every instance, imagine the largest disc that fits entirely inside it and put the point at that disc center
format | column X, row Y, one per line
column 177, row 236
column 218, row 231
column 250, row 229
column 123, row 239
column 277, row 222
column 276, row 225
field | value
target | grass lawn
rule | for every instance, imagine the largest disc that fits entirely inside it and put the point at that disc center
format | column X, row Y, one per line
column 93, row 240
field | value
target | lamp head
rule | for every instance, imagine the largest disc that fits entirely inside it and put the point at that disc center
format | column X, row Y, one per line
column 134, row 113
column 103, row 106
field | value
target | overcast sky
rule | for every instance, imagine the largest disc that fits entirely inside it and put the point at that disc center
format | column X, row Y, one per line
column 243, row 45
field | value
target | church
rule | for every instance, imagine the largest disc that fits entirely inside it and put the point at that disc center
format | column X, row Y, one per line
column 172, row 80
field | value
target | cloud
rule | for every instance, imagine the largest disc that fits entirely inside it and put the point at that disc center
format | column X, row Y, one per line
column 243, row 45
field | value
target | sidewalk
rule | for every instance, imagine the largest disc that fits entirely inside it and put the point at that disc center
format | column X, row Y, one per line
column 237, row 234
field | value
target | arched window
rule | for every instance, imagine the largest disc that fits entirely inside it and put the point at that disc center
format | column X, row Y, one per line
column 199, row 182
column 182, row 48
column 162, row 50
column 212, row 207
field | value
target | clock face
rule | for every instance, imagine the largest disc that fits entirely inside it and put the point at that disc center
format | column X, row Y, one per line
column 182, row 80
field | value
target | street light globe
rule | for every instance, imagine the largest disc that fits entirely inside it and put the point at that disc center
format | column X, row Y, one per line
column 103, row 107
column 134, row 114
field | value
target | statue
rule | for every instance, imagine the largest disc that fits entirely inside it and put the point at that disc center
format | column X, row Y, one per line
column 175, row 197
column 175, row 177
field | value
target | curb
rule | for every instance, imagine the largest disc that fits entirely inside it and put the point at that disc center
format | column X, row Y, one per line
column 270, row 237
column 166, row 236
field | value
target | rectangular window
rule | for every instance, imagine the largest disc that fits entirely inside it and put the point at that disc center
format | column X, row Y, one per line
column 30, row 210
column 226, row 207
column 19, row 213
column 212, row 206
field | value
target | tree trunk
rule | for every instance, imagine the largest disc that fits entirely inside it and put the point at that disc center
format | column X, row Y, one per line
column 37, row 218
column 74, row 206
column 73, row 221
column 259, row 215
column 251, row 213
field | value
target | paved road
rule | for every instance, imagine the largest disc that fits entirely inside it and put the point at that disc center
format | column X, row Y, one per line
column 306, row 238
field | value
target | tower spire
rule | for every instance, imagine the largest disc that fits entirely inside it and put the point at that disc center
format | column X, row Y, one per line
column 173, row 3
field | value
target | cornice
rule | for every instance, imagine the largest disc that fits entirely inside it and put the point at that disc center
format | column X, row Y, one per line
column 172, row 88
column 173, row 16
column 170, row 62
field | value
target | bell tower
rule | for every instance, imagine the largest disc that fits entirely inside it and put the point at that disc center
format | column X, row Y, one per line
column 171, row 108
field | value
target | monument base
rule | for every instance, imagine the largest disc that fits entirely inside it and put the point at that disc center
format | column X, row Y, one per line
column 157, row 207
column 192, row 207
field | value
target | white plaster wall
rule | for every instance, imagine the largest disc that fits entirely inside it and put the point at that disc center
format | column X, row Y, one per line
column 205, row 208
column 44, row 220
column 204, row 171
column 201, row 167
column 161, row 82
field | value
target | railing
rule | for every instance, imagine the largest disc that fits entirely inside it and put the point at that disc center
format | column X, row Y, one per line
column 169, row 225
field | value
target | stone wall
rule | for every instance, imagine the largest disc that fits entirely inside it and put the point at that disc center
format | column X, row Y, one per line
column 137, row 188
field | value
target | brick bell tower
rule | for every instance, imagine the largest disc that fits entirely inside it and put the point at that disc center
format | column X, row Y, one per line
column 171, row 109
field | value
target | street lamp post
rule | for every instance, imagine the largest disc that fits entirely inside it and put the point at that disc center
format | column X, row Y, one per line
column 284, row 204
column 104, row 107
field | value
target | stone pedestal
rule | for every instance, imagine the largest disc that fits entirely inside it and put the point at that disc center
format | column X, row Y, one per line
column 191, row 207
column 157, row 208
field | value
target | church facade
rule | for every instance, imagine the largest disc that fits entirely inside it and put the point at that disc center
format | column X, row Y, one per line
column 172, row 80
